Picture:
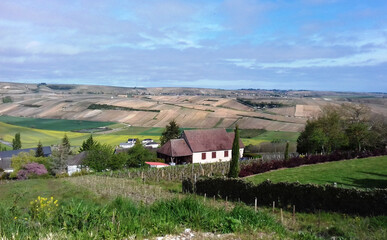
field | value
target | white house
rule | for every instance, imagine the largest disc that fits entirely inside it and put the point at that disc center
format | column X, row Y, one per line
column 200, row 146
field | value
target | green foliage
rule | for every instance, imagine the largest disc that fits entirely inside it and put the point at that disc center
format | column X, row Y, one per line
column 286, row 154
column 112, row 107
column 122, row 218
column 7, row 99
column 16, row 142
column 118, row 161
column 138, row 155
column 234, row 164
column 39, row 150
column 347, row 127
column 307, row 197
column 18, row 161
column 171, row 131
column 87, row 144
column 99, row 157
column 270, row 104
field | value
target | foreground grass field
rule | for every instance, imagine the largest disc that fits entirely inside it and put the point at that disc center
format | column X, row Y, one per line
column 88, row 208
column 362, row 173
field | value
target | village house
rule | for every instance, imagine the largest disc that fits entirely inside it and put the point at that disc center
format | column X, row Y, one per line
column 199, row 146
column 5, row 156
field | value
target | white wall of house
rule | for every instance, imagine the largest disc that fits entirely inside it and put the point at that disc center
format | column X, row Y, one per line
column 220, row 156
column 73, row 168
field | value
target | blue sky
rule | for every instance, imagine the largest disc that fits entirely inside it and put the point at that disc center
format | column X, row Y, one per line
column 232, row 44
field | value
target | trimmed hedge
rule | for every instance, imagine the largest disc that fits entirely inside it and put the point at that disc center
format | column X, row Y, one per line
column 261, row 167
column 306, row 197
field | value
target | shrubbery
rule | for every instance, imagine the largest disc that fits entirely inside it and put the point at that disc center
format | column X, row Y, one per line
column 306, row 197
column 31, row 170
column 261, row 167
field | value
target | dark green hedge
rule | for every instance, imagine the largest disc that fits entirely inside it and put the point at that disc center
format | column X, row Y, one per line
column 306, row 197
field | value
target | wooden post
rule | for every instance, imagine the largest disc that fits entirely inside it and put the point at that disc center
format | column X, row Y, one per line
column 255, row 204
column 273, row 206
column 226, row 201
column 318, row 222
column 282, row 217
column 294, row 214
column 205, row 195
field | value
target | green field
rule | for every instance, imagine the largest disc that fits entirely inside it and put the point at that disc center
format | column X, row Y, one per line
column 53, row 124
column 30, row 137
column 51, row 131
column 362, row 173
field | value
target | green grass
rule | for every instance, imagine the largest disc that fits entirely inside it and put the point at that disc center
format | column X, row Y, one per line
column 362, row 173
column 80, row 215
column 53, row 124
column 277, row 135
column 84, row 214
column 6, row 147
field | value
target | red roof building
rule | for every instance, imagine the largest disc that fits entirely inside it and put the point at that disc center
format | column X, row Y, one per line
column 199, row 146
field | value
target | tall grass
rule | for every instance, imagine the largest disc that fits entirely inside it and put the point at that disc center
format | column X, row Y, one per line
column 123, row 218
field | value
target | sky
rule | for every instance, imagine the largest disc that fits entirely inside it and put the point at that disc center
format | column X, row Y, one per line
column 232, row 44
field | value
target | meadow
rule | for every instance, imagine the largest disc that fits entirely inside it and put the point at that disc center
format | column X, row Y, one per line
column 91, row 207
column 360, row 173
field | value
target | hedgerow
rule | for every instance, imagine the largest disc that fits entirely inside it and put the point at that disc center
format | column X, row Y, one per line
column 306, row 197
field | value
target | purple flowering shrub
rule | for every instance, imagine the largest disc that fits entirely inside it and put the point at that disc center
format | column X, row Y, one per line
column 31, row 170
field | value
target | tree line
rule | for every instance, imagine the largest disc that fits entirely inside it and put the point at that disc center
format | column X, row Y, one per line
column 344, row 127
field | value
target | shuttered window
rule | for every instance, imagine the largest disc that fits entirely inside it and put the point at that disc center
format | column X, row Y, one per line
column 213, row 154
column 225, row 153
column 203, row 156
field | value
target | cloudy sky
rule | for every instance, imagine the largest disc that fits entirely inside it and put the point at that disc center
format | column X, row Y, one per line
column 231, row 44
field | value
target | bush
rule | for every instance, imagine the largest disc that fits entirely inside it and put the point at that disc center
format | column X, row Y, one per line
column 32, row 170
column 306, row 197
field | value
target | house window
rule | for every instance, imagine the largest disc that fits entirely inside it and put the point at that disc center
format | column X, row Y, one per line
column 213, row 154
column 225, row 153
column 203, row 156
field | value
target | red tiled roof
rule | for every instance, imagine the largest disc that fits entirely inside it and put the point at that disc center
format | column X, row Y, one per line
column 175, row 148
column 209, row 140
column 156, row 164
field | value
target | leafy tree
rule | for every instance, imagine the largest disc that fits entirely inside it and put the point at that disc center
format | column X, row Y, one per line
column 39, row 150
column 16, row 142
column 348, row 127
column 118, row 161
column 99, row 157
column 66, row 144
column 138, row 155
column 234, row 165
column 87, row 144
column 171, row 131
column 287, row 151
column 60, row 156
column 7, row 99
column 312, row 139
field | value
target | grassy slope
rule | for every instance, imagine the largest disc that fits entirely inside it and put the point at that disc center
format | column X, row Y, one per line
column 52, row 124
column 366, row 172
column 306, row 226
